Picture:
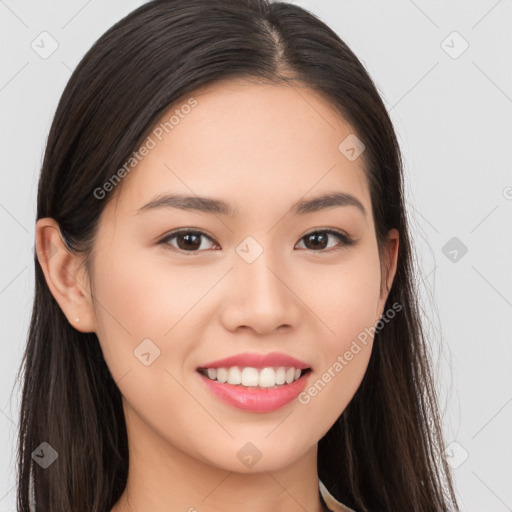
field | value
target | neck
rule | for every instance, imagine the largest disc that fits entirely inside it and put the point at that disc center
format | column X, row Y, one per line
column 163, row 478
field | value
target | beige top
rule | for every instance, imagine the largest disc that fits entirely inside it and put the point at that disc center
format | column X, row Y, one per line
column 331, row 502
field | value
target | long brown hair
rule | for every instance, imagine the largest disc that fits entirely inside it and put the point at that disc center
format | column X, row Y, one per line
column 385, row 452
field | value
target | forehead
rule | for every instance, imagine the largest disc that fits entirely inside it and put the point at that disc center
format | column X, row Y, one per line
column 248, row 143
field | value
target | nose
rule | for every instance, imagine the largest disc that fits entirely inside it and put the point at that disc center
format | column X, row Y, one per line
column 260, row 297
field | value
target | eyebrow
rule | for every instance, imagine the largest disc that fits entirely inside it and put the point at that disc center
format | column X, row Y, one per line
column 216, row 206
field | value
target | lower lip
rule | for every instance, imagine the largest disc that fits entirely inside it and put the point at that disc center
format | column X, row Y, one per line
column 253, row 399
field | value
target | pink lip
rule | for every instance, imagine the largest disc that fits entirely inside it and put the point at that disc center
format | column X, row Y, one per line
column 256, row 399
column 257, row 361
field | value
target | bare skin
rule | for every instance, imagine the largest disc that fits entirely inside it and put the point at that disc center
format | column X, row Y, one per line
column 260, row 148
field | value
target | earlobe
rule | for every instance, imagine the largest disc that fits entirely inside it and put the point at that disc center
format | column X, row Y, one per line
column 62, row 270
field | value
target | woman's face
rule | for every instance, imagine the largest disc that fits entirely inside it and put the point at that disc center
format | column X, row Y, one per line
column 262, row 278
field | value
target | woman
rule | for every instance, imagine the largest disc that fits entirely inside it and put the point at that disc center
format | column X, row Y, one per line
column 224, row 309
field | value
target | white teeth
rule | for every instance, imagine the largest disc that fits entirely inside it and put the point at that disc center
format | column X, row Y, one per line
column 249, row 377
column 252, row 377
column 267, row 378
column 280, row 376
column 234, row 375
column 222, row 375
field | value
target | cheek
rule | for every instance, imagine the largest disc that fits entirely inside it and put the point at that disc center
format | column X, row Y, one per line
column 141, row 297
column 137, row 301
column 139, row 317
column 347, row 306
column 344, row 297
column 128, row 309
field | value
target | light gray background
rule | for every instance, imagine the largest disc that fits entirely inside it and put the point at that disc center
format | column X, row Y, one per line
column 453, row 116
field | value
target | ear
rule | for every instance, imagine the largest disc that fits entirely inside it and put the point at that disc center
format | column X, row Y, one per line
column 67, row 280
column 389, row 262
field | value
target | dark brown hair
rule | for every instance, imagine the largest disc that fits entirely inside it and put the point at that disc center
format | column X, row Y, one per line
column 385, row 452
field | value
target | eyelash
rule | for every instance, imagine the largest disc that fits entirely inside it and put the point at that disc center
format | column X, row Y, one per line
column 345, row 240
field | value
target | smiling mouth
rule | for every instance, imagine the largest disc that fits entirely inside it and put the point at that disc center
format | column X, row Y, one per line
column 256, row 378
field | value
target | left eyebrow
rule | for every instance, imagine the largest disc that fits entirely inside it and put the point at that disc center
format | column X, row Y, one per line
column 326, row 201
column 216, row 206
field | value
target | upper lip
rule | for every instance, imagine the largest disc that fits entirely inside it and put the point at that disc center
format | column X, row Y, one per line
column 254, row 360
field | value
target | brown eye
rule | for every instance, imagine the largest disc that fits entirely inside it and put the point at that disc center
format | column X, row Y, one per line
column 187, row 240
column 319, row 240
